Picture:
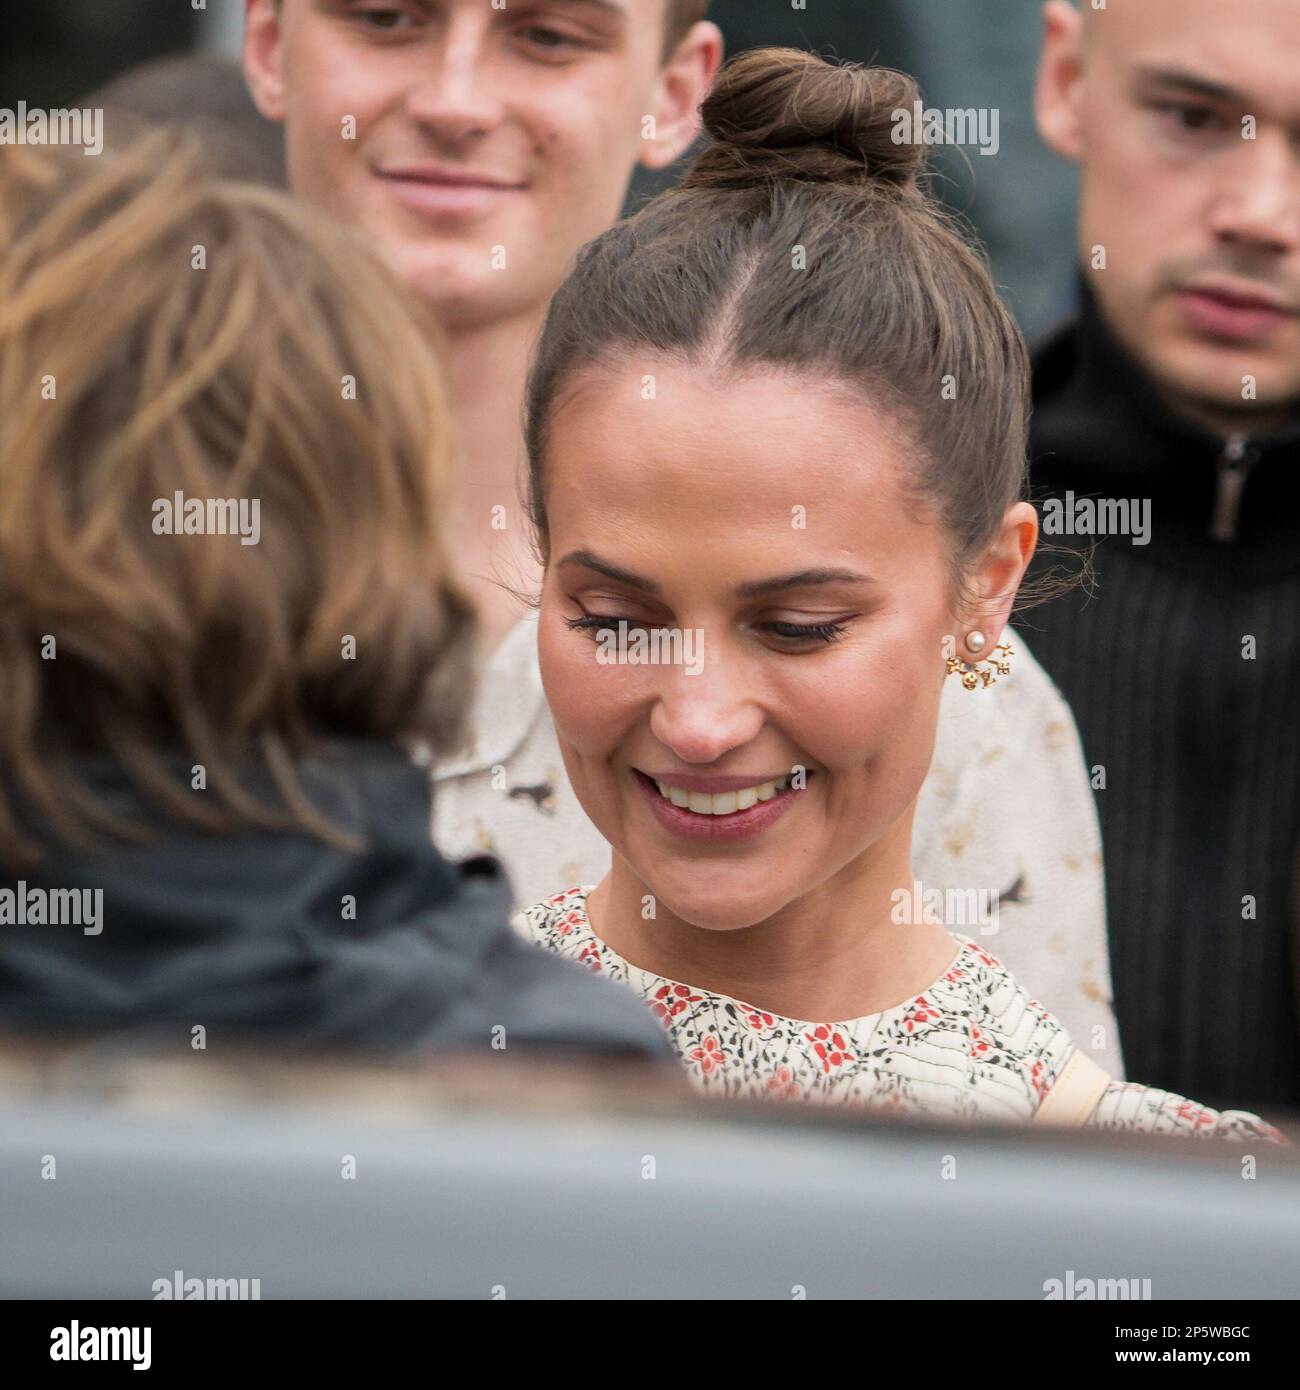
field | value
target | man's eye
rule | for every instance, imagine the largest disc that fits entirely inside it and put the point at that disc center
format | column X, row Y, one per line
column 385, row 19
column 541, row 37
column 1193, row 120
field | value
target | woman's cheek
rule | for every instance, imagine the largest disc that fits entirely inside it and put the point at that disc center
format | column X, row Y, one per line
column 589, row 702
column 560, row 660
column 876, row 716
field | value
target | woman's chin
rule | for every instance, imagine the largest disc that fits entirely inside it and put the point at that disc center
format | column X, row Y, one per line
column 713, row 906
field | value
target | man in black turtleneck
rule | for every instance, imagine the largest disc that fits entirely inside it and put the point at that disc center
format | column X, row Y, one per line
column 1167, row 431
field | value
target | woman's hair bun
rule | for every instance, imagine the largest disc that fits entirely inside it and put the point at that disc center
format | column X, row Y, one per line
column 780, row 113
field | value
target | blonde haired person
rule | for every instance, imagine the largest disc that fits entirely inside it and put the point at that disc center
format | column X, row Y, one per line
column 227, row 609
column 760, row 804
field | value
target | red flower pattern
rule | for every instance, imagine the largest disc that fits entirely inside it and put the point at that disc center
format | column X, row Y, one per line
column 756, row 1018
column 831, row 1047
column 737, row 1048
column 671, row 1000
column 922, row 1011
column 782, row 1085
column 709, row 1055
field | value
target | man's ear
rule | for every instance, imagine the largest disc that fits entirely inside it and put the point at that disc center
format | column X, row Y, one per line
column 993, row 584
column 1058, row 94
column 263, row 49
column 681, row 88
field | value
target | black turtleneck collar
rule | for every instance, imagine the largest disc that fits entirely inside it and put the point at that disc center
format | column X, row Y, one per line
column 1102, row 430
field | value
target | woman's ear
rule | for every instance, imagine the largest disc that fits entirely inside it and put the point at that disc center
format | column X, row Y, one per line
column 991, row 586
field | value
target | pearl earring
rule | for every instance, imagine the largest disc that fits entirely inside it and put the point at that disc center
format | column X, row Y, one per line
column 973, row 678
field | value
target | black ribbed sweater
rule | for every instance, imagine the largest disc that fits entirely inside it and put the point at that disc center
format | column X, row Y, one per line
column 1200, row 747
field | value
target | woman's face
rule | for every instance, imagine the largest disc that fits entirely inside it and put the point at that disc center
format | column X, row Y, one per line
column 786, row 608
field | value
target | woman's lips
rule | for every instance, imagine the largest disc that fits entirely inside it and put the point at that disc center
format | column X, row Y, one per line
column 1232, row 316
column 738, row 825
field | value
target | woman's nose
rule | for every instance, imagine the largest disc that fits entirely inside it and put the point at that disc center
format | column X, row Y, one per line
column 702, row 717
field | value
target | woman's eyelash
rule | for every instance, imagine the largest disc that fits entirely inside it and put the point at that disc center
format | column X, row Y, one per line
column 825, row 632
column 791, row 632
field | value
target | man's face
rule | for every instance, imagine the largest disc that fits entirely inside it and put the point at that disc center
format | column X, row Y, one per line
column 1185, row 115
column 477, row 144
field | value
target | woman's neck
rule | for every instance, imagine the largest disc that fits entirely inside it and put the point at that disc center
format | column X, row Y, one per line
column 841, row 951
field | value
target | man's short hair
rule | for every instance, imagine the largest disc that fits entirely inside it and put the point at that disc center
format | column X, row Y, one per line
column 682, row 14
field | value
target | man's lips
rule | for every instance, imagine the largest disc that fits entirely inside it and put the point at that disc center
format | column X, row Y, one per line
column 437, row 192
column 442, row 176
column 1237, row 312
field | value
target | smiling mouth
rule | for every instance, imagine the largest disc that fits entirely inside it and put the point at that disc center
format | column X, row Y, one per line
column 729, row 803
column 449, row 178
column 447, row 197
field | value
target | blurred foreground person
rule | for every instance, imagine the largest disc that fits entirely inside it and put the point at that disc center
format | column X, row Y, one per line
column 745, row 634
column 226, row 605
column 1166, row 433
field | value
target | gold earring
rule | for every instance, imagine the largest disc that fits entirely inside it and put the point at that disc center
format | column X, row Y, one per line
column 972, row 677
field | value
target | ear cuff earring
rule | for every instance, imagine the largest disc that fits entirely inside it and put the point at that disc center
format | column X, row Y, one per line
column 972, row 676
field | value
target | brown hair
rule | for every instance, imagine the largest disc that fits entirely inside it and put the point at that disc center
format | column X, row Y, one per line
column 682, row 14
column 162, row 331
column 893, row 301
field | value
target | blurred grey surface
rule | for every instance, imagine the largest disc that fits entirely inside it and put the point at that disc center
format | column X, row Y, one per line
column 477, row 1204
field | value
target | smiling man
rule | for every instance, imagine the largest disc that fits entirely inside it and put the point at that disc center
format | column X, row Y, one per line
column 1180, row 384
column 478, row 144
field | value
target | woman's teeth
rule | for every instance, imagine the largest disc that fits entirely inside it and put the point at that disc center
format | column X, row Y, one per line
column 721, row 803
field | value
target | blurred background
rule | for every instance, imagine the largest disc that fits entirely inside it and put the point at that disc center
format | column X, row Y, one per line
column 166, row 59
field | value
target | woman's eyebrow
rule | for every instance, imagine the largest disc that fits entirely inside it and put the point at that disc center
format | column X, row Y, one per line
column 756, row 588
column 587, row 560
column 800, row 580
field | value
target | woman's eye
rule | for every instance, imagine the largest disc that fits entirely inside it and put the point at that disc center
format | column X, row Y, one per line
column 795, row 633
column 593, row 624
column 806, row 632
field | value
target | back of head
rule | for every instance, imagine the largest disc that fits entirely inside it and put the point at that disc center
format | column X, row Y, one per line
column 204, row 93
column 802, row 239
column 224, row 449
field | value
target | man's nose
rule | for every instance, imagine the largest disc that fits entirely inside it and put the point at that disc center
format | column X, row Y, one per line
column 457, row 96
column 1259, row 205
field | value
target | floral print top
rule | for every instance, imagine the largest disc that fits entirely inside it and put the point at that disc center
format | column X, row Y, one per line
column 972, row 1046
